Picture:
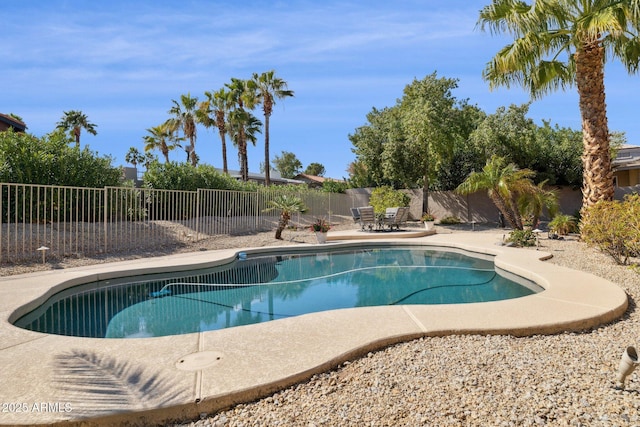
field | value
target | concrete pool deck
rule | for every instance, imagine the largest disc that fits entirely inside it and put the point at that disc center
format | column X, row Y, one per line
column 71, row 381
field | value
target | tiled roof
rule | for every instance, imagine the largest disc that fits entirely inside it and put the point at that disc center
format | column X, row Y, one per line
column 12, row 122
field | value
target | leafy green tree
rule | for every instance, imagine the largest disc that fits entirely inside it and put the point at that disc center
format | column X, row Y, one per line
column 75, row 121
column 559, row 161
column 564, row 43
column 413, row 143
column 369, row 142
column 269, row 88
column 429, row 120
column 358, row 175
column 184, row 117
column 287, row 164
column 287, row 205
column 507, row 133
column 314, row 168
column 50, row 160
column 504, row 183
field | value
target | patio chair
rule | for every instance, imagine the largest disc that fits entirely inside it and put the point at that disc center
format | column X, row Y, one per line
column 397, row 218
column 367, row 217
column 355, row 214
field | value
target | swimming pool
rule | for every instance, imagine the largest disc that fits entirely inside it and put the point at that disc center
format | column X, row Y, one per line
column 255, row 289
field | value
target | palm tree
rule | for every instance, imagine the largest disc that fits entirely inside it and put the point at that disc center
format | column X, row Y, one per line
column 75, row 121
column 269, row 88
column 287, row 205
column 134, row 157
column 559, row 43
column 217, row 106
column 161, row 138
column 185, row 120
column 242, row 124
column 504, row 184
column 533, row 202
column 243, row 127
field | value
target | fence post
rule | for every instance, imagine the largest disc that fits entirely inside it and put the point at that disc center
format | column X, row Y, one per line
column 1, row 219
column 199, row 191
column 105, row 204
column 257, row 210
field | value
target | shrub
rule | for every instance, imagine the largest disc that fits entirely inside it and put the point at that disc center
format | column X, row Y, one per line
column 53, row 160
column 614, row 227
column 331, row 186
column 563, row 224
column 386, row 197
column 183, row 176
column 450, row 220
column 522, row 238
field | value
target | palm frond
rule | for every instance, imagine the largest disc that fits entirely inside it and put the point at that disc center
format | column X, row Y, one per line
column 94, row 383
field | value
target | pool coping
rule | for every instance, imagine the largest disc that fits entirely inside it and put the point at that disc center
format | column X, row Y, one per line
column 73, row 381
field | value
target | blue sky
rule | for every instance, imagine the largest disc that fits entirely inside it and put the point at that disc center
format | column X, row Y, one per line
column 122, row 62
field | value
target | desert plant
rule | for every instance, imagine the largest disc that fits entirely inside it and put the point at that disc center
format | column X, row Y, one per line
column 563, row 224
column 427, row 216
column 522, row 238
column 320, row 226
column 614, row 227
column 287, row 205
column 449, row 220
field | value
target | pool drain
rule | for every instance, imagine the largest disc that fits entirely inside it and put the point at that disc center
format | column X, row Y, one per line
column 198, row 360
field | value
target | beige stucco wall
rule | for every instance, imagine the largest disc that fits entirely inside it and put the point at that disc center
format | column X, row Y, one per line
column 474, row 207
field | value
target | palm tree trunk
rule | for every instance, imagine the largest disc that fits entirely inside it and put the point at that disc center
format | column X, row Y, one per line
column 505, row 209
column 282, row 224
column 76, row 133
column 224, row 153
column 597, row 178
column 267, row 175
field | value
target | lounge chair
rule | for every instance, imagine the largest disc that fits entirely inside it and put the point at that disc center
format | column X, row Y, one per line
column 355, row 214
column 367, row 217
column 397, row 218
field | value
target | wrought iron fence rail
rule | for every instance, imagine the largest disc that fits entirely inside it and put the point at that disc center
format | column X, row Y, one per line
column 77, row 221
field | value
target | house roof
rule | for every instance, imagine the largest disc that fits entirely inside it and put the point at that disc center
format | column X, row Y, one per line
column 314, row 178
column 628, row 158
column 13, row 122
column 274, row 176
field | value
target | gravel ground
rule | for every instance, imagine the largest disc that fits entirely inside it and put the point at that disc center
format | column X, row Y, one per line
column 557, row 380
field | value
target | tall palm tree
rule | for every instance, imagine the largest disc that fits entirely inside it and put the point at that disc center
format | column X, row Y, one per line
column 269, row 88
column 217, row 106
column 243, row 127
column 161, row 138
column 559, row 43
column 185, row 119
column 242, row 124
column 75, row 121
column 504, row 184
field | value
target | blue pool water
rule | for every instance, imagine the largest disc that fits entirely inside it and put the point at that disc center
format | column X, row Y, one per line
column 263, row 288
